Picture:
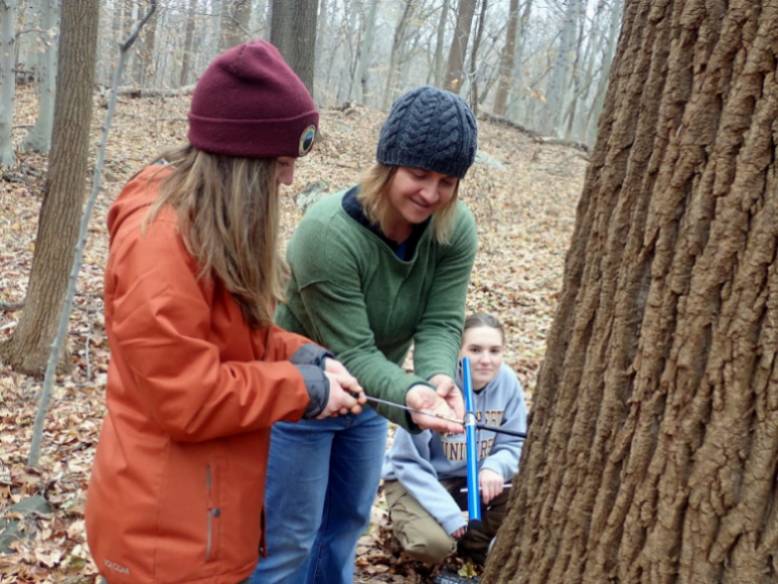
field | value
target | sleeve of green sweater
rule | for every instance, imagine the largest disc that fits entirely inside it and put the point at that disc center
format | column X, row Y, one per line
column 438, row 337
column 328, row 276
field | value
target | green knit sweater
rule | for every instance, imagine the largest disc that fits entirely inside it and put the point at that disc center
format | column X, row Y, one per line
column 351, row 293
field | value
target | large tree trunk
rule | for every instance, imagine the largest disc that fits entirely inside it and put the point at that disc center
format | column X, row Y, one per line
column 28, row 348
column 455, row 72
column 293, row 31
column 653, row 450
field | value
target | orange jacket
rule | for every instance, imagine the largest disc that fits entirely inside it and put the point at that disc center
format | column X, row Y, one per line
column 178, row 480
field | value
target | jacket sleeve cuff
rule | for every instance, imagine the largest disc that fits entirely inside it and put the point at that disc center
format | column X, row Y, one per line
column 311, row 354
column 453, row 523
column 318, row 387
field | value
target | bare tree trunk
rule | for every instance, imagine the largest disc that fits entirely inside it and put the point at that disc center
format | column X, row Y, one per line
column 293, row 31
column 506, row 61
column 653, row 448
column 456, row 57
column 28, row 348
column 516, row 96
column 560, row 77
column 474, row 57
column 366, row 51
column 394, row 57
column 8, row 11
column 38, row 139
column 148, row 53
column 440, row 38
column 322, row 23
column 235, row 18
column 575, row 86
column 186, row 62
column 129, row 12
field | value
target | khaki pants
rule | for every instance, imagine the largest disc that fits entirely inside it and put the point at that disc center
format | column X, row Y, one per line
column 423, row 538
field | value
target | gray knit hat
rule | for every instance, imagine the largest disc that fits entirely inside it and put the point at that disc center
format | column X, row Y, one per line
column 431, row 129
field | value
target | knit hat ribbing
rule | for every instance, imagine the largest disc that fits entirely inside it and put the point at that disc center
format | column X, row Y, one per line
column 249, row 103
column 431, row 129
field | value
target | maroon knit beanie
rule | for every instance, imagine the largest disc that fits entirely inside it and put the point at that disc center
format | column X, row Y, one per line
column 249, row 103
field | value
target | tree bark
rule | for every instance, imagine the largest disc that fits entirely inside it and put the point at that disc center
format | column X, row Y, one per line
column 38, row 139
column 28, row 348
column 293, row 31
column 653, row 449
column 455, row 72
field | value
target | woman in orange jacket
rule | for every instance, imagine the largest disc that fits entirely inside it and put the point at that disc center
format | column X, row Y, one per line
column 198, row 374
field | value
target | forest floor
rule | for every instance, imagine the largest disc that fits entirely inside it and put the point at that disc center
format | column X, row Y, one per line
column 523, row 192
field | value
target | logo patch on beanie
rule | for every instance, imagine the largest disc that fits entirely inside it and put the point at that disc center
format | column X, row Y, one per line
column 307, row 139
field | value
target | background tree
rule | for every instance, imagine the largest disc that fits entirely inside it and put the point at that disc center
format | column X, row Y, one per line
column 235, row 18
column 28, row 348
column 562, row 71
column 186, row 60
column 366, row 49
column 399, row 39
column 8, row 12
column 293, row 31
column 39, row 137
column 653, row 450
column 479, row 34
column 147, row 53
column 506, row 61
column 455, row 72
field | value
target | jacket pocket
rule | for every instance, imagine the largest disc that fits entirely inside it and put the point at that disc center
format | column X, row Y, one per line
column 213, row 512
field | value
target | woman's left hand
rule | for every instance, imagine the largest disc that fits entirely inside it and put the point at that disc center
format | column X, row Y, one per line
column 490, row 484
column 346, row 380
column 448, row 390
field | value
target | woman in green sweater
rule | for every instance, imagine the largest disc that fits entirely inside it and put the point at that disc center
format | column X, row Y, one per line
column 375, row 269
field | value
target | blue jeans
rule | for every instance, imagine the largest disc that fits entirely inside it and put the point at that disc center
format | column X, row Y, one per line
column 322, row 477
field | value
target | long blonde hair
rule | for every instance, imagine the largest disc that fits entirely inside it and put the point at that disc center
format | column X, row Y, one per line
column 373, row 191
column 227, row 211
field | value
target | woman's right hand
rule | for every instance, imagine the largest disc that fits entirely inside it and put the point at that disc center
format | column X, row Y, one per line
column 423, row 397
column 346, row 395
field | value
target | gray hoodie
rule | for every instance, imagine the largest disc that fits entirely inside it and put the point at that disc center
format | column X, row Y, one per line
column 420, row 461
